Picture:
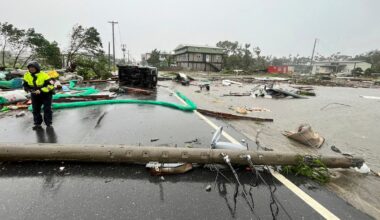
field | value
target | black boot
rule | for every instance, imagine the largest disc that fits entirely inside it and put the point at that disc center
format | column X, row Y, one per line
column 37, row 127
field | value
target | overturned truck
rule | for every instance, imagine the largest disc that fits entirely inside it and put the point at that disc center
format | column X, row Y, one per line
column 137, row 76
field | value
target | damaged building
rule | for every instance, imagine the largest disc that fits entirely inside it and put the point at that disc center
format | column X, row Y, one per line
column 339, row 67
column 199, row 58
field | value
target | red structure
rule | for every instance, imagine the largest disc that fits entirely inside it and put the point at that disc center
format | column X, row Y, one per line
column 278, row 69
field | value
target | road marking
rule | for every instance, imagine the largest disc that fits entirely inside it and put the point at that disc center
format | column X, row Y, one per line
column 287, row 183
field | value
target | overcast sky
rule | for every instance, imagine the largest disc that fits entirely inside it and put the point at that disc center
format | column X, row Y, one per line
column 279, row 28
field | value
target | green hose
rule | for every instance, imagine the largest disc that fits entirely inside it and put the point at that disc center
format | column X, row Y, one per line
column 189, row 107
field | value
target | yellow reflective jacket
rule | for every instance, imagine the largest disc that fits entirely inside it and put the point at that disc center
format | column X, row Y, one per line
column 39, row 81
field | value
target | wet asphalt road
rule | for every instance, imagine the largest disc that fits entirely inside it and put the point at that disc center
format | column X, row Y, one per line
column 115, row 191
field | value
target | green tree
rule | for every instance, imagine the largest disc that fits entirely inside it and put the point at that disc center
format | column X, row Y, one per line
column 51, row 54
column 18, row 43
column 83, row 40
column 372, row 57
column 154, row 59
column 357, row 71
column 41, row 49
column 7, row 33
column 93, row 66
column 368, row 72
column 232, row 48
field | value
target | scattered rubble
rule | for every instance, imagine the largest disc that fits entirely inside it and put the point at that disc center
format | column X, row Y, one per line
column 238, row 94
column 305, row 135
column 227, row 82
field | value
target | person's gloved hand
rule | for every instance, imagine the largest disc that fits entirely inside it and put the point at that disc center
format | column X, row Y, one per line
column 37, row 92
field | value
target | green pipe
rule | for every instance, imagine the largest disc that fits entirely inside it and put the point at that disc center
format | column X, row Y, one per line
column 190, row 106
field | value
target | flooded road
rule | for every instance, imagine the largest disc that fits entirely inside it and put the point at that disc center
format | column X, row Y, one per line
column 102, row 191
column 352, row 127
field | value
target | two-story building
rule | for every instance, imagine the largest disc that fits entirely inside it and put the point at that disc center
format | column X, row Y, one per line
column 200, row 58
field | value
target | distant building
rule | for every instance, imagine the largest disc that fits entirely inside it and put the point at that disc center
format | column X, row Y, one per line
column 281, row 69
column 338, row 67
column 201, row 58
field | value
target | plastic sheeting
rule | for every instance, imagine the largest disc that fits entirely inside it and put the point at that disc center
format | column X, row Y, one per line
column 86, row 91
column 15, row 83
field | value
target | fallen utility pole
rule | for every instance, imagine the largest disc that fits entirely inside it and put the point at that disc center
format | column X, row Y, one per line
column 139, row 154
column 231, row 116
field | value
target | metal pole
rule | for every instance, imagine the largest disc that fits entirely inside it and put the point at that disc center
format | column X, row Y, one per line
column 140, row 154
column 113, row 40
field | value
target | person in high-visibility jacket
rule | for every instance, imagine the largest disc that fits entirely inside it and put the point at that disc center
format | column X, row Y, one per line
column 41, row 87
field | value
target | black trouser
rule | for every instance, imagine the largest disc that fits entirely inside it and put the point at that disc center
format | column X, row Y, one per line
column 39, row 100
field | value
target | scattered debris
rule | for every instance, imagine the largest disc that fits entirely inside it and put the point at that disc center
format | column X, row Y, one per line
column 279, row 93
column 370, row 97
column 158, row 169
column 305, row 93
column 20, row 114
column 15, row 83
column 227, row 82
column 183, row 79
column 271, row 79
column 241, row 110
column 231, row 116
column 306, row 88
column 12, row 96
column 208, row 188
column 66, row 77
column 363, row 169
column 216, row 144
column 192, row 141
column 258, row 109
column 136, row 90
column 335, row 149
column 238, row 94
column 306, row 136
column 100, row 119
column 101, row 80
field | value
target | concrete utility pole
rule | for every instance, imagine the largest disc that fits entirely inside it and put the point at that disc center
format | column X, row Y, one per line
column 312, row 54
column 113, row 40
column 144, row 154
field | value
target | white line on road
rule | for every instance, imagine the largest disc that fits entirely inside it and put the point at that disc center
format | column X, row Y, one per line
column 287, row 183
